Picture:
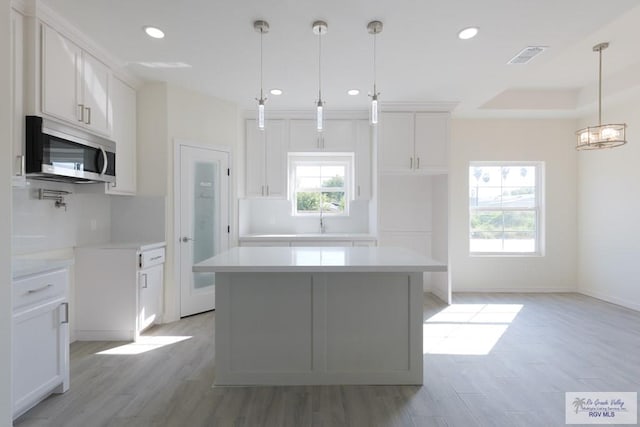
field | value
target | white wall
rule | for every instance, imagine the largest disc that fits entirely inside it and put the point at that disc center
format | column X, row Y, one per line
column 5, row 213
column 138, row 219
column 167, row 113
column 551, row 141
column 608, row 212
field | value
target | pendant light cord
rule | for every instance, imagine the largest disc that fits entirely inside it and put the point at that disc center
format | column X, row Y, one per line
column 600, row 88
column 320, row 64
column 375, row 33
column 261, row 34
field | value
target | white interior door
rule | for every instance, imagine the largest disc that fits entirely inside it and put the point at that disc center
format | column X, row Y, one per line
column 204, row 222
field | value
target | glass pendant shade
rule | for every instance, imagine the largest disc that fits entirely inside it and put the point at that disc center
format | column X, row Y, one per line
column 319, row 117
column 374, row 110
column 261, row 114
column 601, row 136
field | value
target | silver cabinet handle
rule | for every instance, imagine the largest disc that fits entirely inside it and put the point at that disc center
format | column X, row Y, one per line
column 358, row 191
column 66, row 313
column 33, row 291
column 318, row 141
column 146, row 284
column 411, row 163
column 263, row 190
column 322, row 141
column 22, row 161
column 88, row 115
column 267, row 189
column 418, row 166
column 81, row 115
column 186, row 239
column 155, row 258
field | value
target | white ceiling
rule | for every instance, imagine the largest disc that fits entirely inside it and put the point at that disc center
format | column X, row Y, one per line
column 420, row 58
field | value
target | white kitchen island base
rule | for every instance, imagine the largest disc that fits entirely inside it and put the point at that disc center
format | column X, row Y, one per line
column 318, row 322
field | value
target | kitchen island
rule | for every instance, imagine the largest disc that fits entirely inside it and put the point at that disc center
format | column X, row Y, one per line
column 318, row 315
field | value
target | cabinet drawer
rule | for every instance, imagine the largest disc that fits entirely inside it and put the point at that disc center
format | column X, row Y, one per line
column 152, row 257
column 38, row 288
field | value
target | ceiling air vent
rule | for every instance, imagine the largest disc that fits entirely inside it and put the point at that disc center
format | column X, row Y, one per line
column 527, row 54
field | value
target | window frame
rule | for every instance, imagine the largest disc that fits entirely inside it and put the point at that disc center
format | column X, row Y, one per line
column 320, row 159
column 538, row 209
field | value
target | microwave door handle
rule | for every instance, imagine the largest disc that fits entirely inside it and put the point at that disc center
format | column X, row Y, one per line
column 106, row 161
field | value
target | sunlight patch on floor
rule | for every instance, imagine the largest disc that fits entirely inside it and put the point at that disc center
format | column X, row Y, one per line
column 144, row 344
column 467, row 329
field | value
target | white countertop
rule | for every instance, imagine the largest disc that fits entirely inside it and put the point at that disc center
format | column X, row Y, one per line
column 307, row 236
column 22, row 267
column 139, row 246
column 318, row 259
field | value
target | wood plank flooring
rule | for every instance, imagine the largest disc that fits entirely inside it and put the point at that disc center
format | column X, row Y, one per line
column 555, row 343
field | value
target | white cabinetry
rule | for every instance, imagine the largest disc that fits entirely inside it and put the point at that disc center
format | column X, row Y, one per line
column 363, row 160
column 123, row 101
column 17, row 94
column 265, row 159
column 40, row 338
column 118, row 291
column 414, row 142
column 337, row 135
column 75, row 85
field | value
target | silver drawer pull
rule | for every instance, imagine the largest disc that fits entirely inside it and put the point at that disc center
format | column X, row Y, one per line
column 33, row 291
column 155, row 258
column 66, row 313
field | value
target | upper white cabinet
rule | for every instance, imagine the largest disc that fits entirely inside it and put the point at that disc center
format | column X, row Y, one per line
column 413, row 142
column 337, row 135
column 75, row 85
column 363, row 161
column 123, row 113
column 265, row 159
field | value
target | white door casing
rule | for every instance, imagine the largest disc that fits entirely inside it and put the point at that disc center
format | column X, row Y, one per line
column 202, row 202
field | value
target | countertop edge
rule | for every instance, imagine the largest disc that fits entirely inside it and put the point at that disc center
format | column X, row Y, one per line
column 303, row 237
column 321, row 269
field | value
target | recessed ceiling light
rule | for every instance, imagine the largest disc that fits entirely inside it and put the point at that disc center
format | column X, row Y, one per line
column 276, row 92
column 154, row 32
column 468, row 33
column 353, row 92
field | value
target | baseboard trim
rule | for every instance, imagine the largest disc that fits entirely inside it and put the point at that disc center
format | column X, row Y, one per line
column 612, row 300
column 516, row 291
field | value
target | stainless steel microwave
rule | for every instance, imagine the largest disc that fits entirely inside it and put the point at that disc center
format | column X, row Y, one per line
column 56, row 152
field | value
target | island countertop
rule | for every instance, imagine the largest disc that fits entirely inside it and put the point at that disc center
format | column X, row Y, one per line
column 318, row 259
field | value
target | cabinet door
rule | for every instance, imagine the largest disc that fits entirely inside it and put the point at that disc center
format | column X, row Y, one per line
column 255, row 159
column 396, row 142
column 95, row 78
column 363, row 161
column 40, row 351
column 17, row 90
column 61, row 73
column 123, row 113
column 432, row 135
column 303, row 136
column 322, row 243
column 338, row 135
column 275, row 157
column 150, row 286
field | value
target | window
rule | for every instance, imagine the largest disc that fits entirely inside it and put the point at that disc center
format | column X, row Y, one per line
column 505, row 208
column 320, row 184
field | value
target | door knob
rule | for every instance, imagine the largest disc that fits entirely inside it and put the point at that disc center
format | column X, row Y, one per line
column 186, row 239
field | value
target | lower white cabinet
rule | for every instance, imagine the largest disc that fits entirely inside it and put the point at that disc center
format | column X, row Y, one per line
column 40, row 343
column 118, row 291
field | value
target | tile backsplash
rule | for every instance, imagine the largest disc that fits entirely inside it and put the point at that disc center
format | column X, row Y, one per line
column 39, row 226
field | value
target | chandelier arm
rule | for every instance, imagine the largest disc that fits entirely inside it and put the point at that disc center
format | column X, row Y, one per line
column 600, row 87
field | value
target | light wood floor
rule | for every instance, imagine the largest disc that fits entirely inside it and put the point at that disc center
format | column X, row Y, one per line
column 555, row 343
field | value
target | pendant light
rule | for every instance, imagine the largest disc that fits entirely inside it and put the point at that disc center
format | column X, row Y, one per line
column 374, row 27
column 320, row 29
column 262, row 27
column 601, row 136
